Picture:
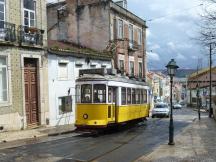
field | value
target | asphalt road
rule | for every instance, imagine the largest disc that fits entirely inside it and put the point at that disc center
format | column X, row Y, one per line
column 122, row 146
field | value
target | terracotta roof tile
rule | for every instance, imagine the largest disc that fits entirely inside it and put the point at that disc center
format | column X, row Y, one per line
column 67, row 48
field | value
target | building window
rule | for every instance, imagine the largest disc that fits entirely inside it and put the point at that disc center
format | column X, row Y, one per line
column 63, row 71
column 93, row 66
column 128, row 96
column 29, row 13
column 139, row 36
column 123, row 96
column 140, row 69
column 120, row 29
column 121, row 65
column 131, row 68
column 86, row 93
column 2, row 13
column 3, row 80
column 99, row 93
column 131, row 33
column 65, row 104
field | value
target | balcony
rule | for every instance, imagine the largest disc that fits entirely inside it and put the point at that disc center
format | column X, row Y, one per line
column 30, row 36
column 134, row 46
column 7, row 32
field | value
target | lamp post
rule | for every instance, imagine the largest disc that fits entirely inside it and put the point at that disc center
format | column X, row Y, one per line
column 171, row 69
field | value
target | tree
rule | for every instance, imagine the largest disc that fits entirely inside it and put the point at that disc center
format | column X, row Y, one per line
column 208, row 23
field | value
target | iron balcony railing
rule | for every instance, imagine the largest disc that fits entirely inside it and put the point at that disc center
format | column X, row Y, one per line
column 7, row 32
column 30, row 36
column 133, row 45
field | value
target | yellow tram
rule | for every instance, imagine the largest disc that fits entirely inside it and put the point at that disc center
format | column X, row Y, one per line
column 103, row 100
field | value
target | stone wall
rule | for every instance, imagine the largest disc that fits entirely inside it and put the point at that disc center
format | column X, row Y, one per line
column 12, row 113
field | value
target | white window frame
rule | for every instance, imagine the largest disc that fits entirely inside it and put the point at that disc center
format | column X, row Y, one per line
column 133, row 68
column 4, row 10
column 29, row 11
column 139, row 68
column 120, row 64
column 9, row 98
column 139, row 31
column 71, row 105
column 62, row 78
column 131, row 32
column 120, row 33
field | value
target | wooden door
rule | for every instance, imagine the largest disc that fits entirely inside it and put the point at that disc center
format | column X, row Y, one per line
column 31, row 91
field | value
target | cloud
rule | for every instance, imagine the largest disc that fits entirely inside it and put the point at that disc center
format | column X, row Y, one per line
column 153, row 56
column 154, row 47
column 181, row 57
column 171, row 45
column 194, row 57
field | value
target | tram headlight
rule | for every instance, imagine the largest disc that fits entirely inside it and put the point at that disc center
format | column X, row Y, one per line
column 85, row 116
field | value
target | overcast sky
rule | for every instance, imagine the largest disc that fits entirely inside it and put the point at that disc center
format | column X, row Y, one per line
column 172, row 29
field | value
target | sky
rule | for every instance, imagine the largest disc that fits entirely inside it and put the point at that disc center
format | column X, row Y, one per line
column 173, row 27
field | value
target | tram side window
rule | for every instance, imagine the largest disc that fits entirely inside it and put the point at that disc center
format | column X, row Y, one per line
column 123, row 96
column 145, row 96
column 86, row 93
column 133, row 96
column 141, row 96
column 78, row 94
column 110, row 95
column 137, row 96
column 128, row 96
column 99, row 93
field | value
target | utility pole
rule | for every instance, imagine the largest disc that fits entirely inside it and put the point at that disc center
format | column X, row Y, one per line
column 210, row 88
column 198, row 96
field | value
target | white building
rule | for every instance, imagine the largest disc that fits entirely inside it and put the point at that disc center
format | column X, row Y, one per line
column 63, row 70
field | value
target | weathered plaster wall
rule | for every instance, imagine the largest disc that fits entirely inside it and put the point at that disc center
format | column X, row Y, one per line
column 59, row 88
column 88, row 24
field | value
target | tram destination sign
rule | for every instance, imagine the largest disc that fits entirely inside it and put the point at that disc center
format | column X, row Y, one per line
column 99, row 71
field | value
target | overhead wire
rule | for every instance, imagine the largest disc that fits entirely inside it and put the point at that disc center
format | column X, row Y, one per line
column 174, row 13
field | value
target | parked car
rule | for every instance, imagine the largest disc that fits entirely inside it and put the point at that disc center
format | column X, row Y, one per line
column 182, row 103
column 161, row 110
column 177, row 106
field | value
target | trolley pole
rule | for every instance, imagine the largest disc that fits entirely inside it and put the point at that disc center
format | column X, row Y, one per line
column 210, row 88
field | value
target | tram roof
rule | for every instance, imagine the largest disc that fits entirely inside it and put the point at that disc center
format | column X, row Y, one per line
column 117, row 78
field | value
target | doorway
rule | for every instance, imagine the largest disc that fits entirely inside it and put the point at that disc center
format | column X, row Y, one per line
column 112, row 94
column 31, row 91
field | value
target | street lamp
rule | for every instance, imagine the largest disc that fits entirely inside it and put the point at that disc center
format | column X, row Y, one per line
column 171, row 69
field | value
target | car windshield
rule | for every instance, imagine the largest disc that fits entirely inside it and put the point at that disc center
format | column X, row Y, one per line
column 161, row 106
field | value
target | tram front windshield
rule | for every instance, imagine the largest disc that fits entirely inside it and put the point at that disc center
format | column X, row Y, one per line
column 93, row 93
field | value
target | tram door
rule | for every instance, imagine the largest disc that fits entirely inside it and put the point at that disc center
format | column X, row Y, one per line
column 112, row 103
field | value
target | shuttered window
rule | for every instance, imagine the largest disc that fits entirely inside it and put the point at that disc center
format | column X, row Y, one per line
column 62, row 71
column 2, row 13
column 3, row 80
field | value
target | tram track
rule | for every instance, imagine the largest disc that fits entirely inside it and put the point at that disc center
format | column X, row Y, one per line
column 122, row 140
column 87, row 145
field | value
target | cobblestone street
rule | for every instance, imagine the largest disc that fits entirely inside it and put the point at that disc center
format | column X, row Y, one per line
column 194, row 141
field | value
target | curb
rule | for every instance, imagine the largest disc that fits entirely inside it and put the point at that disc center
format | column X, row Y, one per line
column 60, row 133
column 31, row 140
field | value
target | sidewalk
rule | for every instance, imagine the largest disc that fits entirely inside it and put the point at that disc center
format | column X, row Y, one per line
column 196, row 143
column 16, row 137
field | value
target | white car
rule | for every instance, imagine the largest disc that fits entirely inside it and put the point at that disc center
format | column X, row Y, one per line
column 177, row 106
column 161, row 110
